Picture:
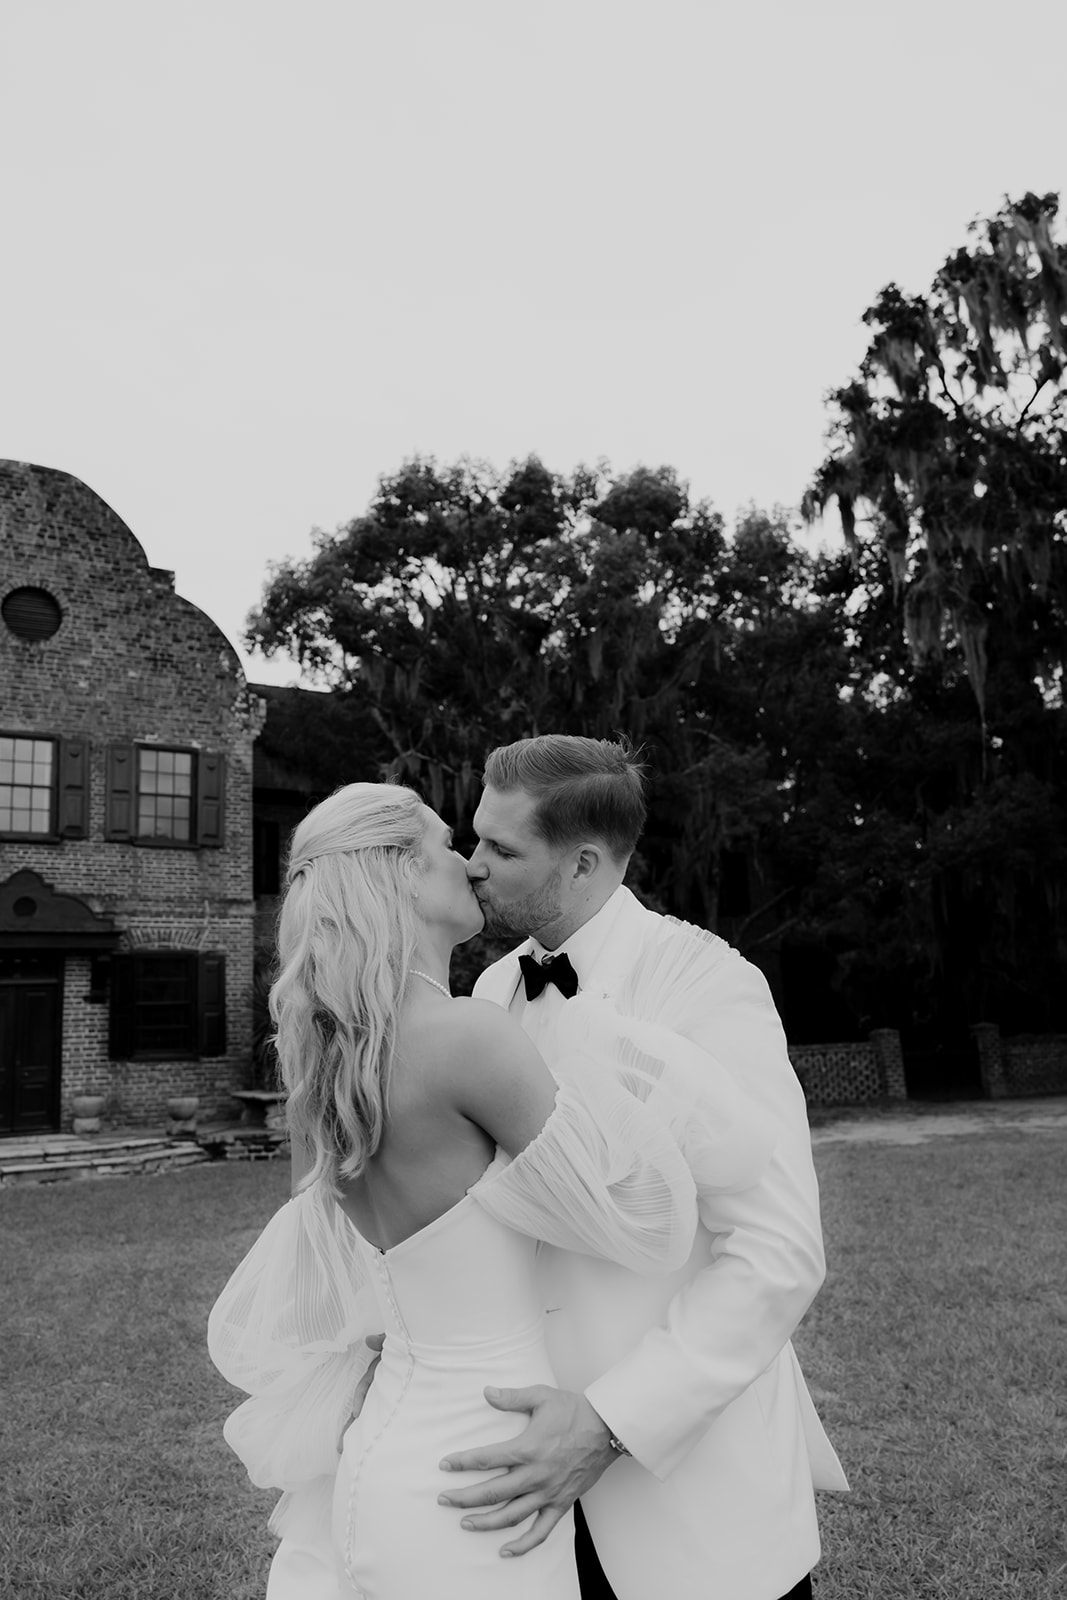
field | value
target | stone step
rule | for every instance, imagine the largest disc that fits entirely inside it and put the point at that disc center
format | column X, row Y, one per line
column 62, row 1146
column 244, row 1143
column 150, row 1155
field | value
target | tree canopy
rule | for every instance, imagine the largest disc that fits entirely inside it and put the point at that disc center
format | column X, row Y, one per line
column 951, row 445
column 858, row 757
column 818, row 795
column 468, row 608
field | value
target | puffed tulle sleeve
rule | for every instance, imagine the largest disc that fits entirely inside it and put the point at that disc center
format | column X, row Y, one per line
column 605, row 1177
column 289, row 1329
column 644, row 1122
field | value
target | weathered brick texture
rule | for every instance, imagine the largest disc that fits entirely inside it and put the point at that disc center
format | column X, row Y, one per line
column 1028, row 1063
column 131, row 661
column 851, row 1074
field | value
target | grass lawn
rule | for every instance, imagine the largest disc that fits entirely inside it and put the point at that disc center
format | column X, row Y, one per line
column 116, row 1482
column 935, row 1353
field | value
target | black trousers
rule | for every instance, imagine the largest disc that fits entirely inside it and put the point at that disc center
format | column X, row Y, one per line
column 595, row 1586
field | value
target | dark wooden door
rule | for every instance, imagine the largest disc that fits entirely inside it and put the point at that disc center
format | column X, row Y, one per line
column 29, row 1053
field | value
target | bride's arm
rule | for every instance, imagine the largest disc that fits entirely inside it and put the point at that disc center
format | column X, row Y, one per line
column 595, row 1168
column 289, row 1329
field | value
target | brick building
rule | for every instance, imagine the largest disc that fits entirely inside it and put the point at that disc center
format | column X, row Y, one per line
column 126, row 748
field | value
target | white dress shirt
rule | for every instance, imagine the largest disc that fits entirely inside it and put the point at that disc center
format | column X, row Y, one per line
column 538, row 1018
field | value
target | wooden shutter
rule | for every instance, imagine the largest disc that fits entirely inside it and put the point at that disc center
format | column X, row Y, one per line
column 122, row 1019
column 119, row 821
column 210, row 798
column 211, row 1002
column 73, row 793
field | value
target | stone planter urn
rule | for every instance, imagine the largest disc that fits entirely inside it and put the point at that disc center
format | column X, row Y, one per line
column 87, row 1109
column 181, row 1114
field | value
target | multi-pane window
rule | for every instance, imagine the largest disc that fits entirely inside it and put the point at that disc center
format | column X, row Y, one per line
column 165, row 794
column 167, row 1004
column 27, row 784
column 160, row 795
column 153, row 794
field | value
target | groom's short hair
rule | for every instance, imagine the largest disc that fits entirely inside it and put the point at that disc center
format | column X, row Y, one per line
column 583, row 787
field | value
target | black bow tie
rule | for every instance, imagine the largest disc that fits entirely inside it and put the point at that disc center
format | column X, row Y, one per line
column 536, row 974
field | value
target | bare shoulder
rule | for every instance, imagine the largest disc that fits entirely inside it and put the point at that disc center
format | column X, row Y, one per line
column 477, row 1028
column 473, row 1049
column 488, row 1070
column 463, row 1036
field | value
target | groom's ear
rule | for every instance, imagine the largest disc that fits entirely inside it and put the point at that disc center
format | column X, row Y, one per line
column 587, row 859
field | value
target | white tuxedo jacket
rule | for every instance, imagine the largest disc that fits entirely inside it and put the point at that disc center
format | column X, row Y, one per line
column 695, row 1372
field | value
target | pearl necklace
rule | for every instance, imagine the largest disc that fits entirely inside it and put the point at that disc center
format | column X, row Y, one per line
column 415, row 973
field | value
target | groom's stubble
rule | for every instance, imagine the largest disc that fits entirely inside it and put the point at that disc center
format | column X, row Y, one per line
column 524, row 917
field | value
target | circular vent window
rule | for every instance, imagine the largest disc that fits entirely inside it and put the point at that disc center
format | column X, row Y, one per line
column 31, row 613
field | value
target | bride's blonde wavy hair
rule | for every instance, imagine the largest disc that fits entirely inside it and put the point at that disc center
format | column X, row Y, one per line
column 346, row 934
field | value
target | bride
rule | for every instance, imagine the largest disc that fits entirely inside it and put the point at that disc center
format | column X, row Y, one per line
column 435, row 1150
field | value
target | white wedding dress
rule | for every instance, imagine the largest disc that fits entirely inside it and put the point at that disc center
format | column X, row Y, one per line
column 608, row 1175
column 459, row 1311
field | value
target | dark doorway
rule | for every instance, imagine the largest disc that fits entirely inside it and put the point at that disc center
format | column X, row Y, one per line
column 31, row 992
column 941, row 1068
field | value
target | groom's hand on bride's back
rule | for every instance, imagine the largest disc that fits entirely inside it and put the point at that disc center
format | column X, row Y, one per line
column 559, row 1455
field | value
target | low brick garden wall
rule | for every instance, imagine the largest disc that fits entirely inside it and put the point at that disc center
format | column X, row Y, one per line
column 863, row 1073
column 1026, row 1064
column 871, row 1071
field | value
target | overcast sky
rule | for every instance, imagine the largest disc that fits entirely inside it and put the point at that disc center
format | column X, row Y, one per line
column 257, row 253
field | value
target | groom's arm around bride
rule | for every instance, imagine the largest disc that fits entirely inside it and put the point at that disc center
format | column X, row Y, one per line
column 693, row 1377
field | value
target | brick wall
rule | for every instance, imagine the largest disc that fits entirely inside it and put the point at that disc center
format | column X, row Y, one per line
column 86, row 1068
column 132, row 661
column 851, row 1074
column 1037, row 1063
column 864, row 1073
column 1028, row 1063
column 266, row 926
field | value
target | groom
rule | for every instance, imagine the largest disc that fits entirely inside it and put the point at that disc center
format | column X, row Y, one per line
column 683, row 1422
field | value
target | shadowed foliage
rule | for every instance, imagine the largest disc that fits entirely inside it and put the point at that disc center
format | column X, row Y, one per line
column 834, row 804
column 468, row 608
column 950, row 445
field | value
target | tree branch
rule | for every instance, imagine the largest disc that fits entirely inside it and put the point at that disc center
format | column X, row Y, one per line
column 768, row 905
column 1038, row 386
column 774, row 933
